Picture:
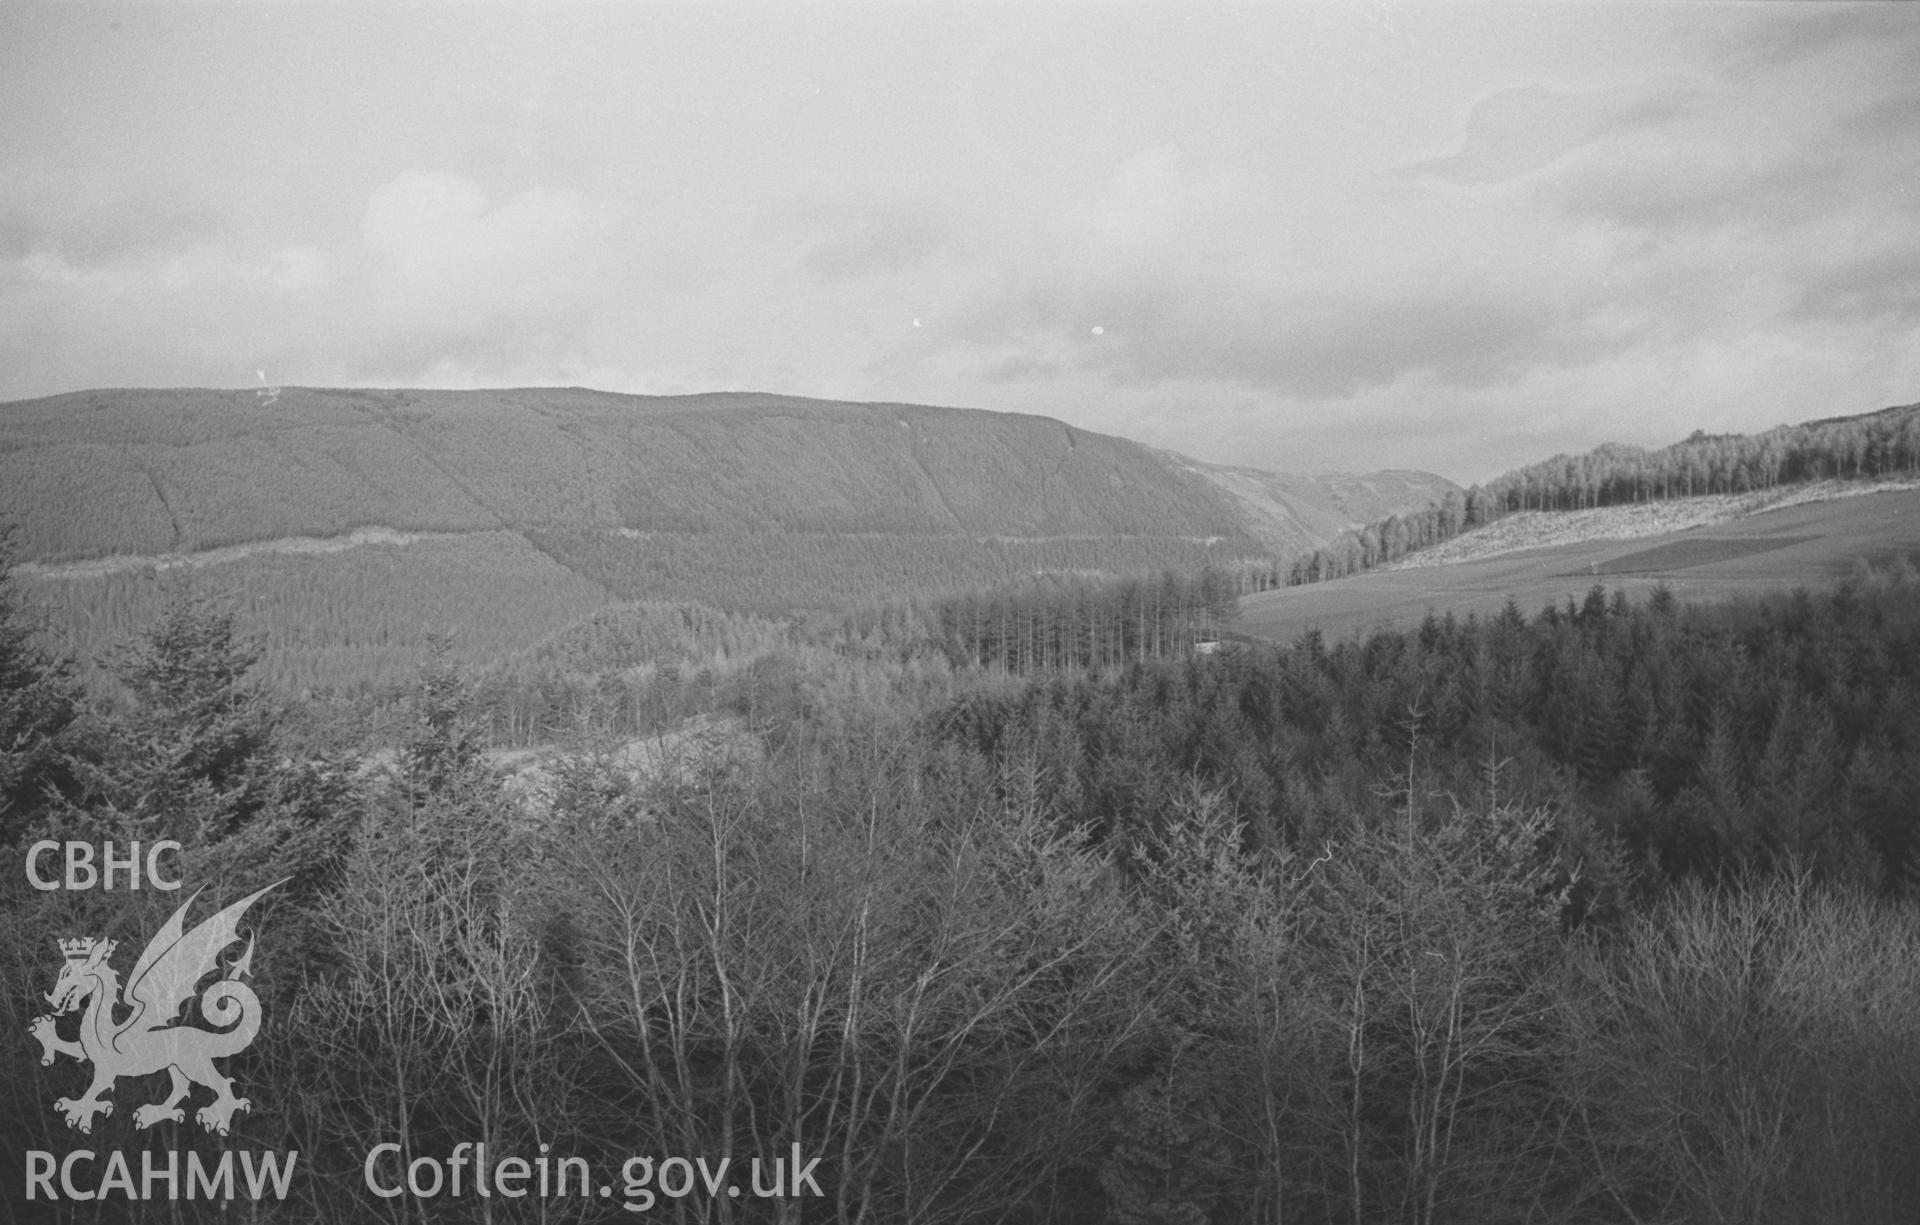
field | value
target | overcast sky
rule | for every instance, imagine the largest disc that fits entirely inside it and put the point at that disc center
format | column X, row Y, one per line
column 1301, row 236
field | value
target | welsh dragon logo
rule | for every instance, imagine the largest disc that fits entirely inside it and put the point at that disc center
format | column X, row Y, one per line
column 150, row 1036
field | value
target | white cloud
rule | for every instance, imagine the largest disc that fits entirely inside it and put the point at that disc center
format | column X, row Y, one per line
column 292, row 270
column 444, row 259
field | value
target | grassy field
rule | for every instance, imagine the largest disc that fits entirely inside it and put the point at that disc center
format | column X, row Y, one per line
column 1536, row 529
column 1797, row 543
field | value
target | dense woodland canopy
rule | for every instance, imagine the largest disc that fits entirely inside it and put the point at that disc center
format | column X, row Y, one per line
column 1070, row 622
column 1701, row 740
column 1602, row 913
column 362, row 617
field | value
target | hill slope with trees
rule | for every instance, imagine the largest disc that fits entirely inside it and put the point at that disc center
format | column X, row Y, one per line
column 98, row 473
column 1877, row 446
column 1809, row 544
column 350, row 526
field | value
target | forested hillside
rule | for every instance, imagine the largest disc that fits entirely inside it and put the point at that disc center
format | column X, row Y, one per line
column 1884, row 443
column 93, row 474
column 1872, row 446
column 1800, row 543
column 1704, row 737
column 360, row 616
column 1294, row 513
column 352, row 526
column 1603, row 914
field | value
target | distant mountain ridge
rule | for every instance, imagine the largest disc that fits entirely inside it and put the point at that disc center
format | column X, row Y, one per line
column 92, row 474
column 1296, row 513
column 351, row 525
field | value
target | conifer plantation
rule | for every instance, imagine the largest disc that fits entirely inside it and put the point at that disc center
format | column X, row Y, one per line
column 1013, row 907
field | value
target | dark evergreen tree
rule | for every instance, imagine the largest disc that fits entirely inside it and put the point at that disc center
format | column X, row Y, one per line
column 188, row 752
column 38, row 703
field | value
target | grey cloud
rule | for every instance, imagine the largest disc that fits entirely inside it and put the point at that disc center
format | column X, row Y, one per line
column 1020, row 368
column 1682, row 193
column 1867, row 158
column 1514, row 132
column 102, row 232
column 1319, row 345
column 1896, row 116
column 849, row 240
column 1801, row 32
column 876, row 244
column 1337, row 346
column 495, row 345
column 1882, row 285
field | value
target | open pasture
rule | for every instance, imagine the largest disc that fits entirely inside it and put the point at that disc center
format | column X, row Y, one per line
column 1810, row 544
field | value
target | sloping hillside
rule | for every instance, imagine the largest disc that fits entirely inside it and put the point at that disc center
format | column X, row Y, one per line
column 1796, row 543
column 149, row 473
column 99, row 473
column 1293, row 513
column 357, row 520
